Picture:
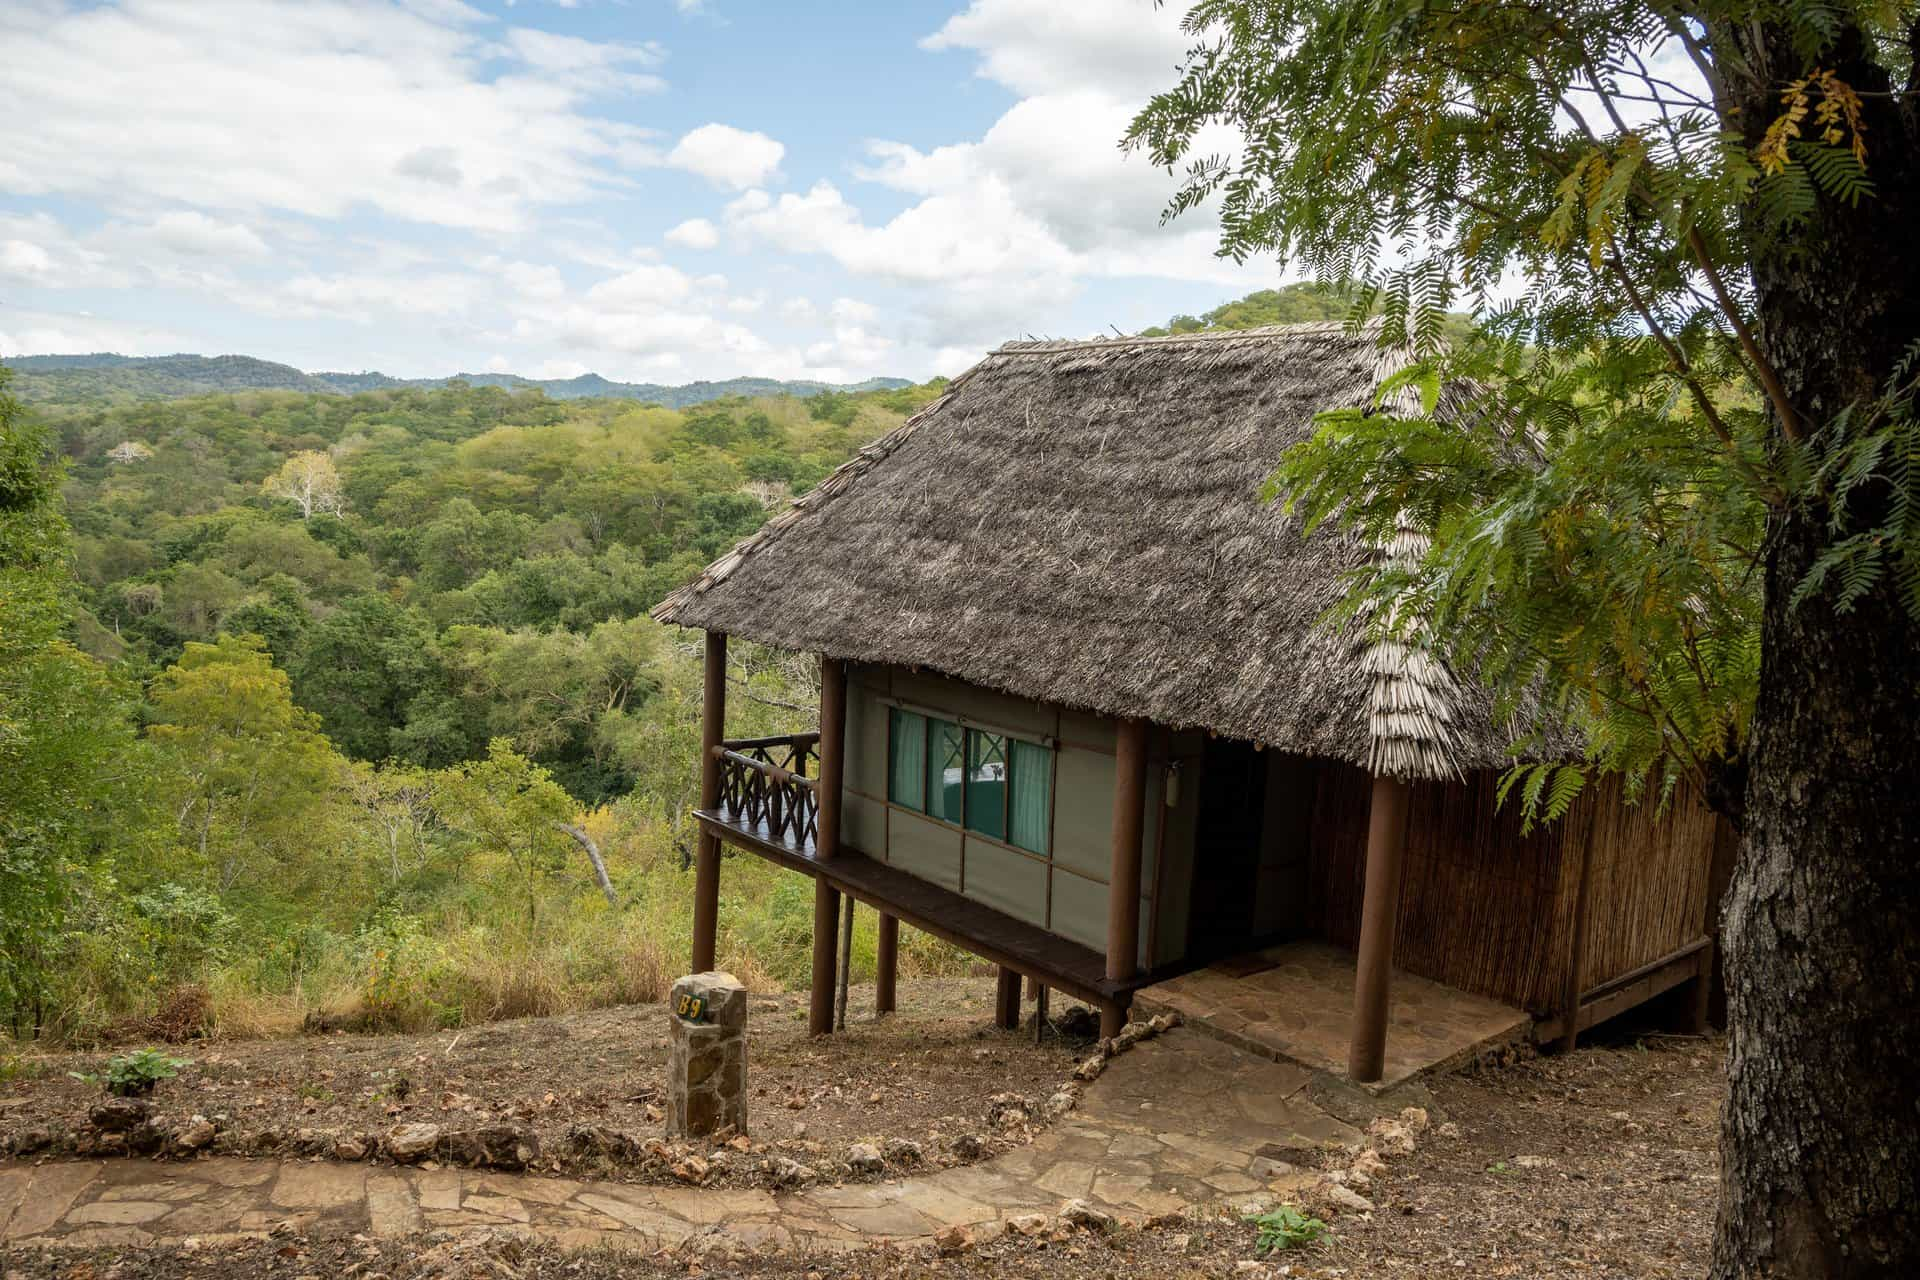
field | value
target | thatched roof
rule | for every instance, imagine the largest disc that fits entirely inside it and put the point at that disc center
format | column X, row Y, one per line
column 1081, row 522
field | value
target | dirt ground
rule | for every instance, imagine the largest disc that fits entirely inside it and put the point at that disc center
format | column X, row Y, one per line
column 925, row 1074
column 1602, row 1163
column 1597, row 1165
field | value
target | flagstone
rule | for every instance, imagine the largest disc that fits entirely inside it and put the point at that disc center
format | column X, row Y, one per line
column 391, row 1207
column 892, row 1220
column 324, row 1185
column 638, row 1217
column 706, row 1207
column 498, row 1206
column 50, row 1192
column 168, row 1190
column 13, row 1189
column 118, row 1213
column 1067, row 1179
column 555, row 1191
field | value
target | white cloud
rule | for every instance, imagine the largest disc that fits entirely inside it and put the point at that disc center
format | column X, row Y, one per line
column 644, row 286
column 366, row 298
column 313, row 108
column 694, row 233
column 192, row 234
column 32, row 333
column 728, row 157
column 1129, row 46
column 1006, row 230
column 533, row 279
column 37, row 249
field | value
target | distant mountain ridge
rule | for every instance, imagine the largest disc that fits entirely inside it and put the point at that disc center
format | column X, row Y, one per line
column 108, row 377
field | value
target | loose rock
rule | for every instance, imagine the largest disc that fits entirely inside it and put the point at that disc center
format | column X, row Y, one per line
column 954, row 1240
column 195, row 1134
column 118, row 1115
column 863, row 1157
column 791, row 1173
column 1082, row 1214
column 406, row 1143
column 902, row 1151
column 1342, row 1198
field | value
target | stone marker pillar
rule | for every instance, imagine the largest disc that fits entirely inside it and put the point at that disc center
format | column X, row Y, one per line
column 707, row 1060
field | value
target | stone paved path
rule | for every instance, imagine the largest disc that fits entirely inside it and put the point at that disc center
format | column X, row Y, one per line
column 1175, row 1122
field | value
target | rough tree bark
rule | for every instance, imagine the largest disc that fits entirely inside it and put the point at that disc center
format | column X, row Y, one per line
column 1821, row 1133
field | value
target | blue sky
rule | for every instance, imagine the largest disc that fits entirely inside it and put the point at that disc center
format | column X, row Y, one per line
column 656, row 189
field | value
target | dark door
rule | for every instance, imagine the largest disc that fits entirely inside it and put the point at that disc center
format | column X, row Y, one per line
column 1226, row 855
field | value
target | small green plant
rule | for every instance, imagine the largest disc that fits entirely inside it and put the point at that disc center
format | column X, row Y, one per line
column 132, row 1074
column 1285, row 1227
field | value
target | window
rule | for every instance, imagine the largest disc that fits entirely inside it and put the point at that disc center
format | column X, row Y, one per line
column 945, row 756
column 987, row 784
column 997, row 785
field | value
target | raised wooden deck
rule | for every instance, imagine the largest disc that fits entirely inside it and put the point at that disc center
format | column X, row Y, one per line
column 1066, row 966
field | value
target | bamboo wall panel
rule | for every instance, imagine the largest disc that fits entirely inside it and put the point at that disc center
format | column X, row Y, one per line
column 1488, row 909
column 1650, row 874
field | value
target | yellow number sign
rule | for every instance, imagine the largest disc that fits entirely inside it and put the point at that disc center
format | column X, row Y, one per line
column 692, row 1008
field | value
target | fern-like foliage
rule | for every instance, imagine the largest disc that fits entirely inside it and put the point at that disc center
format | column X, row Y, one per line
column 1596, row 465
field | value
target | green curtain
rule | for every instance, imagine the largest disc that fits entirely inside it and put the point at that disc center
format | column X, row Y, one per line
column 907, row 776
column 1031, row 810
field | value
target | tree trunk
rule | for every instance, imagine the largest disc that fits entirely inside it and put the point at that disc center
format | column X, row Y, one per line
column 592, row 850
column 1821, row 1134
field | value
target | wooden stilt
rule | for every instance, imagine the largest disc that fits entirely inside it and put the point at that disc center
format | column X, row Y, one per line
column 833, row 755
column 1379, row 916
column 1700, row 993
column 846, row 963
column 1006, row 1001
column 826, row 921
column 706, row 874
column 1033, row 988
column 1576, row 954
column 1112, row 1018
column 826, row 899
column 886, row 962
column 1123, row 880
column 1039, row 1013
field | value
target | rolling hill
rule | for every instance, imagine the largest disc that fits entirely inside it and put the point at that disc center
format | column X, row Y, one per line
column 110, row 378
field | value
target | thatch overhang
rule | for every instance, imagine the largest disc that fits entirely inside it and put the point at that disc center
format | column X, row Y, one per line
column 1081, row 523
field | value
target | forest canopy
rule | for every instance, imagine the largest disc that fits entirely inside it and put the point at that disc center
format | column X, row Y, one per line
column 310, row 703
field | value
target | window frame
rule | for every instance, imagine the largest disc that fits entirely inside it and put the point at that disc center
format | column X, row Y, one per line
column 969, row 727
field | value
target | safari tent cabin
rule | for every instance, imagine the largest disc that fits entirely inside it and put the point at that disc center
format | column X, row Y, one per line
column 1081, row 716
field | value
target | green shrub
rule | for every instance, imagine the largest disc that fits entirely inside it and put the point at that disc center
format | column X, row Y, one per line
column 1285, row 1227
column 131, row 1074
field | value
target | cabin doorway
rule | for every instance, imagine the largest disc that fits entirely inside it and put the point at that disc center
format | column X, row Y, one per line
column 1227, row 845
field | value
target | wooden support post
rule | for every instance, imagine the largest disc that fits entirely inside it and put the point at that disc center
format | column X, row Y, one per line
column 1576, row 953
column 1039, row 1014
column 833, row 759
column 847, row 910
column 826, row 924
column 1700, row 992
column 706, row 874
column 886, row 963
column 1123, row 879
column 1379, row 916
column 1006, row 1001
column 826, row 899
